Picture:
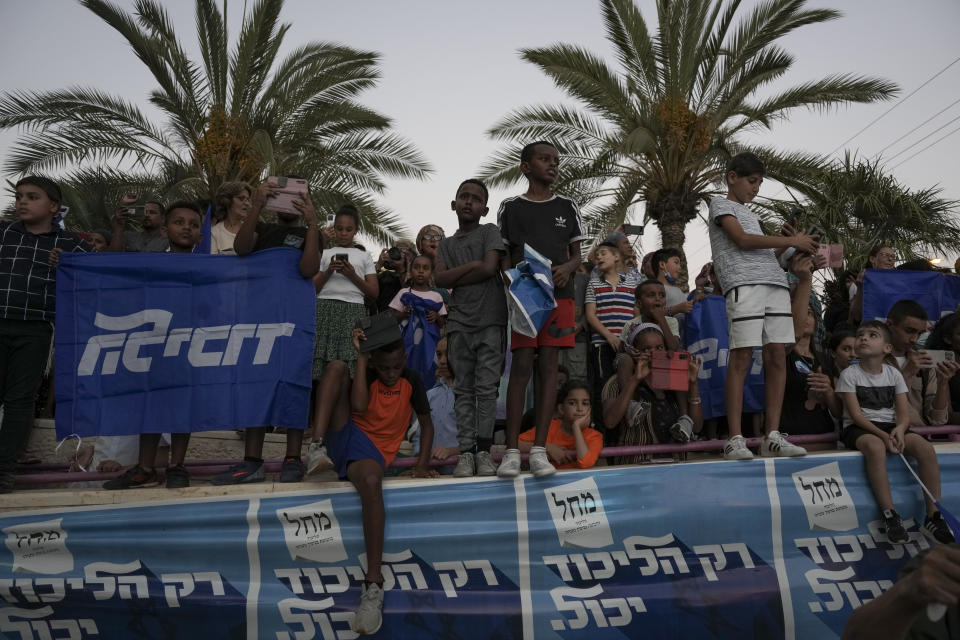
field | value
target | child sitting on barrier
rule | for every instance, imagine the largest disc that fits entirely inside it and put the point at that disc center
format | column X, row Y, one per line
column 570, row 431
column 368, row 419
column 876, row 422
column 649, row 414
column 182, row 227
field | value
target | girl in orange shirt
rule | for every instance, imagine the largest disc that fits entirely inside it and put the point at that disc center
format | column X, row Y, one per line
column 570, row 431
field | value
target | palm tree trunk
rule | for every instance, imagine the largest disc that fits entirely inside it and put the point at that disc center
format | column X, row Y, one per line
column 673, row 235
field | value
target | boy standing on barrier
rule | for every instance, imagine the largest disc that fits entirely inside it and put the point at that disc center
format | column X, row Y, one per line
column 468, row 261
column 183, row 228
column 758, row 302
column 876, row 421
column 368, row 420
column 254, row 236
column 551, row 225
column 29, row 251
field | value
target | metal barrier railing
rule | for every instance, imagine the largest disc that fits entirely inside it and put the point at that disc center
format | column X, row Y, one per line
column 57, row 473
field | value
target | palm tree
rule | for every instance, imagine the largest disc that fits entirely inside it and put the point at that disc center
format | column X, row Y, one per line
column 660, row 129
column 239, row 113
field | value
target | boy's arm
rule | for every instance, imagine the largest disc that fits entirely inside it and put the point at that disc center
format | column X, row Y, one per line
column 247, row 233
column 360, row 389
column 310, row 260
column 746, row 241
column 801, row 267
column 940, row 406
column 562, row 272
column 590, row 311
column 470, row 273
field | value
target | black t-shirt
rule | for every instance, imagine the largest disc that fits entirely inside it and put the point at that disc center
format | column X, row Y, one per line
column 796, row 419
column 271, row 236
column 549, row 227
column 390, row 284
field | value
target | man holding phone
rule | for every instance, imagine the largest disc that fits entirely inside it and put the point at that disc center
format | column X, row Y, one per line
column 149, row 216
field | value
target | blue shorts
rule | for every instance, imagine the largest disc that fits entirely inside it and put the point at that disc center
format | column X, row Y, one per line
column 348, row 444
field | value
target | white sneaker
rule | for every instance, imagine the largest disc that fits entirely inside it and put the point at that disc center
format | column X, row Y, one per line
column 368, row 616
column 485, row 464
column 774, row 444
column 317, row 458
column 464, row 468
column 540, row 464
column 510, row 464
column 736, row 449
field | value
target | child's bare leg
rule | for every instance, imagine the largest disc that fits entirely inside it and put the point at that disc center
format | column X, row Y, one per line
column 253, row 438
column 521, row 368
column 775, row 381
column 875, row 461
column 928, row 469
column 178, row 447
column 737, row 367
column 334, row 383
column 367, row 476
column 294, row 443
column 547, row 361
column 148, row 449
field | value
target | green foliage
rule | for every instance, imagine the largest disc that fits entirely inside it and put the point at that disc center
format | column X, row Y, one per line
column 239, row 113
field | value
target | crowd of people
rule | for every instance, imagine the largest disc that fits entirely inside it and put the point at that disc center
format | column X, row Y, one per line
column 619, row 318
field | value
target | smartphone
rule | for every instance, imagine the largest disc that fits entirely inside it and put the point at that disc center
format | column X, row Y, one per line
column 136, row 212
column 331, row 218
column 633, row 229
column 816, row 231
column 288, row 190
column 833, row 254
column 939, row 355
column 341, row 257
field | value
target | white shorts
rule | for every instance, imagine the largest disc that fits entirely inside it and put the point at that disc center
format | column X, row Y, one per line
column 759, row 314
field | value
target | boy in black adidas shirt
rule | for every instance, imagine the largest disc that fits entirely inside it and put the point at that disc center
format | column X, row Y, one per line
column 550, row 224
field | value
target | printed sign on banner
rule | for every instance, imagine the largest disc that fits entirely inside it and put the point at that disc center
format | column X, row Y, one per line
column 826, row 499
column 312, row 532
column 39, row 547
column 578, row 514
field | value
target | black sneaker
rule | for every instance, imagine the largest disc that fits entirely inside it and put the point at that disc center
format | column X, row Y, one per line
column 246, row 471
column 896, row 532
column 935, row 527
column 177, row 477
column 136, row 476
column 292, row 470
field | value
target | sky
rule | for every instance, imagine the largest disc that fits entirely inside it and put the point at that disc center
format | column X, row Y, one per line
column 450, row 71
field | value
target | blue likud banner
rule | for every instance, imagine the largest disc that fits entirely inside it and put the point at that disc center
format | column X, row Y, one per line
column 937, row 293
column 708, row 336
column 775, row 548
column 162, row 342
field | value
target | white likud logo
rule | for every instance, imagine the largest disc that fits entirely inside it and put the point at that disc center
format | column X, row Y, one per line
column 126, row 347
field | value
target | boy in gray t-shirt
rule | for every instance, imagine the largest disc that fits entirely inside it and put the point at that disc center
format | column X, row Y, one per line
column 468, row 262
column 758, row 302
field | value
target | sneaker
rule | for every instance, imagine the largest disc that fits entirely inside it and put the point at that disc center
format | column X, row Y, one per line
column 510, row 464
column 369, row 615
column 896, row 532
column 317, row 458
column 682, row 429
column 136, row 476
column 465, row 467
column 291, row 470
column 246, row 471
column 540, row 465
column 935, row 527
column 775, row 444
column 736, row 449
column 485, row 464
column 177, row 477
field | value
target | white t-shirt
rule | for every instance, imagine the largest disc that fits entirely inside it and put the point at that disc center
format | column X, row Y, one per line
column 876, row 393
column 338, row 287
column 432, row 296
column 221, row 240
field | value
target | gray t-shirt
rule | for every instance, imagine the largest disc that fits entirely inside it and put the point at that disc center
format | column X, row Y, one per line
column 144, row 242
column 735, row 266
column 479, row 305
column 876, row 393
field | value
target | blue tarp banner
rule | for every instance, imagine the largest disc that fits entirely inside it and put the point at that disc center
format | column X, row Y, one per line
column 161, row 342
column 707, row 336
column 774, row 548
column 530, row 298
column 937, row 293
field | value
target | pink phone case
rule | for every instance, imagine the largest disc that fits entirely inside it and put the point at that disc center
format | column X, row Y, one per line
column 295, row 189
column 833, row 253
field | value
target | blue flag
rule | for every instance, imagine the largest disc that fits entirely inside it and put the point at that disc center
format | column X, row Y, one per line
column 420, row 336
column 530, row 298
column 161, row 342
column 204, row 245
column 707, row 336
column 937, row 293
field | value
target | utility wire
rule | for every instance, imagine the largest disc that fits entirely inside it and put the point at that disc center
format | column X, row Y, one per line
column 908, row 147
column 897, row 104
column 938, row 140
column 917, row 127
